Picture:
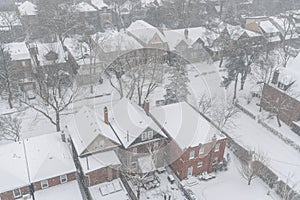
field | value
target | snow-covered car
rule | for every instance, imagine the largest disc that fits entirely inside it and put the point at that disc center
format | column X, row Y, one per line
column 171, row 179
column 191, row 194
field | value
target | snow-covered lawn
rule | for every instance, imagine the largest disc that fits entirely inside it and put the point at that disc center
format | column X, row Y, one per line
column 67, row 191
column 229, row 185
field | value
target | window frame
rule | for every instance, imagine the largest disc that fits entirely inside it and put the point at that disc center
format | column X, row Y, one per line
column 192, row 157
column 144, row 136
column 46, row 181
column 62, row 177
column 150, row 135
column 17, row 196
column 217, row 147
column 201, row 150
column 201, row 164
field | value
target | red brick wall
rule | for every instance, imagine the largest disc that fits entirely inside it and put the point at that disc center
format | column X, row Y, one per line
column 101, row 176
column 24, row 71
column 10, row 196
column 181, row 165
column 289, row 107
column 54, row 181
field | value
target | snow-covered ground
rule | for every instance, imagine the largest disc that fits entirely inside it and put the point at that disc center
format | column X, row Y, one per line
column 229, row 185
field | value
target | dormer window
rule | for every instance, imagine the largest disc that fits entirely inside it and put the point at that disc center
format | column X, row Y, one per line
column 147, row 135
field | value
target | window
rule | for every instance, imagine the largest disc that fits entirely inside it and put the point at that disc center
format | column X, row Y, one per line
column 192, row 154
column 134, row 165
column 44, row 184
column 17, row 193
column 63, row 179
column 155, row 145
column 144, row 136
column 215, row 160
column 150, row 135
column 199, row 165
column 23, row 63
column 201, row 151
column 217, row 147
column 134, row 150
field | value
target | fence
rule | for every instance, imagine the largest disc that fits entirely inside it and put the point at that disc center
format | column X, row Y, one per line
column 244, row 110
column 128, row 188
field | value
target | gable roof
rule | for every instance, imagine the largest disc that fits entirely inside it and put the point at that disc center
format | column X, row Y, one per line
column 85, row 127
column 13, row 168
column 144, row 31
column 113, row 41
column 128, row 119
column 185, row 125
column 47, row 157
column 84, row 7
column 18, row 51
column 268, row 27
column 44, row 48
column 27, row 8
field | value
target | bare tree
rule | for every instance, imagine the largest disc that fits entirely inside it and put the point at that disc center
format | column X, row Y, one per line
column 250, row 168
column 10, row 128
column 8, row 75
column 54, row 94
column 287, row 189
column 206, row 103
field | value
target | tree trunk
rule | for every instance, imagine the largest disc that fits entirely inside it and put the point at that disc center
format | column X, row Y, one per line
column 278, row 120
column 9, row 97
column 249, row 181
column 57, row 121
column 235, row 87
column 221, row 62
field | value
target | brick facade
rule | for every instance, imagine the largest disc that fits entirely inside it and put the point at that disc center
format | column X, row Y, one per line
column 101, row 175
column 183, row 162
column 54, row 181
column 10, row 196
column 289, row 108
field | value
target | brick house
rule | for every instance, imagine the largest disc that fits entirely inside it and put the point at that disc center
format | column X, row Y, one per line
column 49, row 160
column 28, row 12
column 195, row 146
column 94, row 145
column 14, row 180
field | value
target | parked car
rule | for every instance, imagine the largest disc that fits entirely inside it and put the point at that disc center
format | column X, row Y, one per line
column 171, row 179
column 191, row 194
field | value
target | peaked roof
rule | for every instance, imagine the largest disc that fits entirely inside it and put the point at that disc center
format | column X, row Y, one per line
column 18, row 51
column 85, row 127
column 185, row 125
column 144, row 31
column 13, row 168
column 84, row 7
column 99, row 4
column 128, row 119
column 47, row 157
column 27, row 8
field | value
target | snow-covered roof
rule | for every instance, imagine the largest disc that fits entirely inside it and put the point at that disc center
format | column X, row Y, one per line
column 129, row 121
column 146, row 3
column 8, row 19
column 84, row 7
column 99, row 4
column 27, row 8
column 66, row 191
column 109, row 191
column 13, row 169
column 185, row 125
column 236, row 32
column 291, row 72
column 113, row 41
column 87, row 127
column 268, row 27
column 48, row 156
column 44, row 48
column 18, row 51
column 99, row 161
column 144, row 31
column 174, row 37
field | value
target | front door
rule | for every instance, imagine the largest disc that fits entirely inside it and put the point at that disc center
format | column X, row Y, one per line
column 190, row 171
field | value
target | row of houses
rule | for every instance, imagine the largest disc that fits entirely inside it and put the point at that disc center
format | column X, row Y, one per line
column 97, row 147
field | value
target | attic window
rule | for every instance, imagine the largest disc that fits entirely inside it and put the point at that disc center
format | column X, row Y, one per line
column 44, row 184
column 17, row 193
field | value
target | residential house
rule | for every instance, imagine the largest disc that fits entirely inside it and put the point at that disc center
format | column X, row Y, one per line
column 10, row 25
column 111, row 44
column 94, row 147
column 287, row 29
column 196, row 146
column 86, row 13
column 189, row 43
column 104, row 14
column 14, row 180
column 28, row 12
column 280, row 96
column 147, row 35
column 21, row 58
column 139, row 135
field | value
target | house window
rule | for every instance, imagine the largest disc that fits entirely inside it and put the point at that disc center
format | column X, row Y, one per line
column 150, row 135
column 155, row 145
column 192, row 154
column 144, row 136
column 217, row 147
column 201, row 151
column 23, row 63
column 199, row 165
column 63, row 179
column 134, row 150
column 17, row 193
column 44, row 184
column 215, row 160
column 134, row 165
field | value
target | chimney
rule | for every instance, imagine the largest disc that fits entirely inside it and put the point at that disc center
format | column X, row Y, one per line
column 275, row 77
column 63, row 136
column 146, row 106
column 106, row 115
column 186, row 33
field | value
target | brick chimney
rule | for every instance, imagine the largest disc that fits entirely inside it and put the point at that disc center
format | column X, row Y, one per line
column 186, row 33
column 106, row 115
column 146, row 106
column 63, row 136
